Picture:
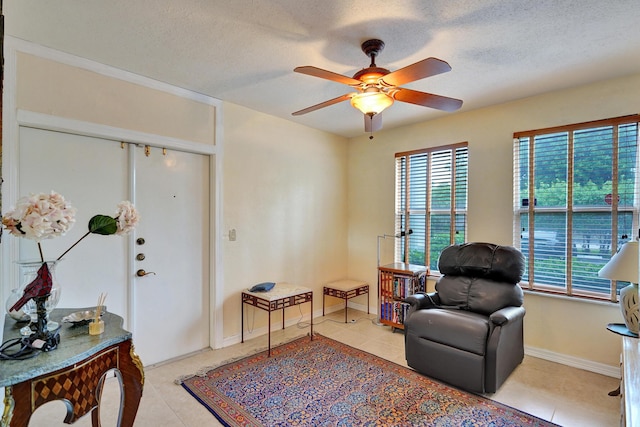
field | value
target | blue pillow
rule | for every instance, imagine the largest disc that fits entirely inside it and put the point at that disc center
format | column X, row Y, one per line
column 262, row 287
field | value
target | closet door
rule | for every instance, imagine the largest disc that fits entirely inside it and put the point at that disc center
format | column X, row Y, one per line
column 92, row 174
column 168, row 312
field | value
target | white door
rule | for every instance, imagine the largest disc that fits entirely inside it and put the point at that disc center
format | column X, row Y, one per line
column 169, row 310
column 171, row 301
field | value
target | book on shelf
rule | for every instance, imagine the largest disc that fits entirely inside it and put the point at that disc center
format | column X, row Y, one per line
column 394, row 311
column 394, row 288
column 405, row 286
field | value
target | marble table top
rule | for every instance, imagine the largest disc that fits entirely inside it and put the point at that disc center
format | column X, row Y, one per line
column 346, row 285
column 280, row 290
column 75, row 345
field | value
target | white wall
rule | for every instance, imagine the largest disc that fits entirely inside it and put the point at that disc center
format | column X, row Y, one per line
column 576, row 329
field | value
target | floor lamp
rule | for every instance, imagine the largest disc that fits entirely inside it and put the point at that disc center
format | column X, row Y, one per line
column 380, row 238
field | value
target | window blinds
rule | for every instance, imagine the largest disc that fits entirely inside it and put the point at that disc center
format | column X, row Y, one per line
column 431, row 200
column 575, row 202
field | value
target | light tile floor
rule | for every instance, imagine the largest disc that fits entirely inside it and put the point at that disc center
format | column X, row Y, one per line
column 558, row 393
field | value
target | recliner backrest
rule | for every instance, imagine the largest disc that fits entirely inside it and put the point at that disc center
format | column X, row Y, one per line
column 478, row 294
column 480, row 277
column 485, row 260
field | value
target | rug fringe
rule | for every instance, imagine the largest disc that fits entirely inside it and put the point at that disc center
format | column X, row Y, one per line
column 202, row 372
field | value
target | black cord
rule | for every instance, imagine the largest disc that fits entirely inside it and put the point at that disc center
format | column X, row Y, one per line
column 28, row 347
column 25, row 349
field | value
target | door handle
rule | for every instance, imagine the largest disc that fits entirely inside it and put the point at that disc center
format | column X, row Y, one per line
column 142, row 273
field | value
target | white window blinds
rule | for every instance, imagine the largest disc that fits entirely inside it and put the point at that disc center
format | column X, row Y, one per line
column 431, row 201
column 576, row 199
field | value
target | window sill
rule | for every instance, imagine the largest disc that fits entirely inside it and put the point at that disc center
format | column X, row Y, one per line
column 570, row 298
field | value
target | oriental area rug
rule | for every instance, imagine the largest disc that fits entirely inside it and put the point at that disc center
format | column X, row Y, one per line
column 322, row 382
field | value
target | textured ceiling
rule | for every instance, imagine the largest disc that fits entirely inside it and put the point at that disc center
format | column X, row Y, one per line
column 244, row 51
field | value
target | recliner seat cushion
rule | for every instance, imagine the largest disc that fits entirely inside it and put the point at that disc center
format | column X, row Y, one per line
column 478, row 295
column 486, row 260
column 460, row 368
column 454, row 328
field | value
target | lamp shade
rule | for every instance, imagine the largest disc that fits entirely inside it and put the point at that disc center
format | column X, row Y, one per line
column 372, row 101
column 623, row 266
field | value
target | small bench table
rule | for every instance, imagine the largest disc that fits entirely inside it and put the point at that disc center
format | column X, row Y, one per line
column 281, row 296
column 345, row 289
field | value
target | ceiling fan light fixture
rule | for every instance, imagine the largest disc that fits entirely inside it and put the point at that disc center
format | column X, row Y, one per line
column 372, row 102
column 378, row 88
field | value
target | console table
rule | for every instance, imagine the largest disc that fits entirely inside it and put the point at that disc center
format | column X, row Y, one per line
column 74, row 372
column 281, row 296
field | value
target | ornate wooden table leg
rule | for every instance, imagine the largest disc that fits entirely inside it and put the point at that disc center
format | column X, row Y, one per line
column 9, row 404
column 133, row 382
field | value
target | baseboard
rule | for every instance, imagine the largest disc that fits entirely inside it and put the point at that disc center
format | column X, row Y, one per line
column 356, row 306
column 351, row 305
column 276, row 324
column 574, row 362
column 563, row 359
column 290, row 320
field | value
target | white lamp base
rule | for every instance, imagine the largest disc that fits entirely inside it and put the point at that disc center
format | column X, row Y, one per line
column 629, row 306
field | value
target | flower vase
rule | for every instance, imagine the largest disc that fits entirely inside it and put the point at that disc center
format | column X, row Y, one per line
column 18, row 315
column 629, row 306
column 28, row 273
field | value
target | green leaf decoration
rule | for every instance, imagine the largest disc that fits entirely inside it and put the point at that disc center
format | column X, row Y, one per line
column 102, row 224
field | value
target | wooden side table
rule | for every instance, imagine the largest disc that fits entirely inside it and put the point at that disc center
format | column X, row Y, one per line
column 74, row 372
column 345, row 289
column 281, row 296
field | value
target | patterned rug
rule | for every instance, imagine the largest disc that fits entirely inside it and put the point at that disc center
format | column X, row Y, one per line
column 322, row 382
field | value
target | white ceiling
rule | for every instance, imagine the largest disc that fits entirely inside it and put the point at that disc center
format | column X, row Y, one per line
column 244, row 51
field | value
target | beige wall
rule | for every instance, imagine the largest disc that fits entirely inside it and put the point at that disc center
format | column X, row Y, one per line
column 285, row 194
column 573, row 328
column 285, row 185
column 50, row 87
column 307, row 206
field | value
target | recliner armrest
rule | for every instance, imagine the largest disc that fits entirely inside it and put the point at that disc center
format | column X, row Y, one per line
column 506, row 314
column 423, row 300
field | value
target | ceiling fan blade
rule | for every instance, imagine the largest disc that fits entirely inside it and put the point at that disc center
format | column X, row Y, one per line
column 328, row 75
column 427, row 99
column 324, row 104
column 372, row 123
column 425, row 68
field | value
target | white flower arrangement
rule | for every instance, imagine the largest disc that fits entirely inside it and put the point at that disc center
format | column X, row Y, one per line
column 127, row 217
column 45, row 216
column 40, row 216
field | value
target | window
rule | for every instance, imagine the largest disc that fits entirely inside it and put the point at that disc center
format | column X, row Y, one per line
column 575, row 203
column 431, row 202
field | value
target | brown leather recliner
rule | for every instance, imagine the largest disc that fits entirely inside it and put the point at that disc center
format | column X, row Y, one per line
column 469, row 333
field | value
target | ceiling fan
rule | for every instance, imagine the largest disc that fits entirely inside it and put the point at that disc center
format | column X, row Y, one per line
column 377, row 88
